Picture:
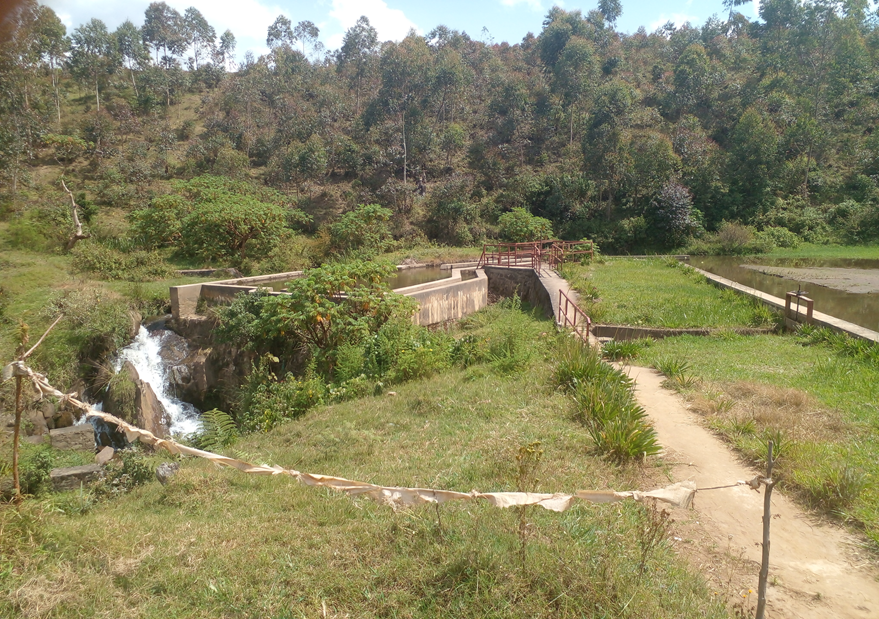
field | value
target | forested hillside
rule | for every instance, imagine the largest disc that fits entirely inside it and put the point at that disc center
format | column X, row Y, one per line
column 640, row 141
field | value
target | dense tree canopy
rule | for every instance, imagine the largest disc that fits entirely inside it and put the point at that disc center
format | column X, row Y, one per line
column 596, row 130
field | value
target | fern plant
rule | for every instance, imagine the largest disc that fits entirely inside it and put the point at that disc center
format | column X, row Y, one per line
column 218, row 430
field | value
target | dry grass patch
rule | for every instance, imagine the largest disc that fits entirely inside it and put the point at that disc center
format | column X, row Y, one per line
column 794, row 413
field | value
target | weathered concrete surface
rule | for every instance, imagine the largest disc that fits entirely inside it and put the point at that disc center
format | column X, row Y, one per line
column 184, row 299
column 75, row 437
column 464, row 293
column 818, row 318
column 72, row 477
column 524, row 281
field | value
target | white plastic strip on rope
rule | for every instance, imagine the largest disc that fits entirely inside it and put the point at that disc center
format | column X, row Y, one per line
column 679, row 494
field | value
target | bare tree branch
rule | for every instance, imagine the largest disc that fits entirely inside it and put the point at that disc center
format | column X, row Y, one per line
column 77, row 225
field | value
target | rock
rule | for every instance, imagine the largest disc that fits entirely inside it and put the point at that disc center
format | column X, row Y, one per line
column 36, row 439
column 134, row 323
column 134, row 401
column 48, row 409
column 7, row 487
column 64, row 419
column 105, row 455
column 38, row 423
column 151, row 415
column 75, row 437
column 166, row 471
column 72, row 477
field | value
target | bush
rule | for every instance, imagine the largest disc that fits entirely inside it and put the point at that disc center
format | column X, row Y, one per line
column 605, row 403
column 267, row 401
column 363, row 233
column 780, row 237
column 232, row 229
column 520, row 226
column 111, row 264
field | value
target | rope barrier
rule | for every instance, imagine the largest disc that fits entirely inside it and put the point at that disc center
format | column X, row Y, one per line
column 679, row 494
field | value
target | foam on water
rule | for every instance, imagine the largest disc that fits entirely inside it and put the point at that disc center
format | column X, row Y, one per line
column 143, row 353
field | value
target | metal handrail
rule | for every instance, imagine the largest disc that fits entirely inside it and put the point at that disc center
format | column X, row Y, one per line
column 579, row 319
column 549, row 251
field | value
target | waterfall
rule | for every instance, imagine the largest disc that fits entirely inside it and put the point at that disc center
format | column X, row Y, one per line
column 144, row 353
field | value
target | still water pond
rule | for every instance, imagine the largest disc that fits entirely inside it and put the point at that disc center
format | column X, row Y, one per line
column 860, row 309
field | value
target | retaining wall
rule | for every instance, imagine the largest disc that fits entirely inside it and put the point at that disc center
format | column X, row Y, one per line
column 524, row 281
column 819, row 319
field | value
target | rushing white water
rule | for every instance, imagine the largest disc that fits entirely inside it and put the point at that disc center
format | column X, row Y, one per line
column 143, row 353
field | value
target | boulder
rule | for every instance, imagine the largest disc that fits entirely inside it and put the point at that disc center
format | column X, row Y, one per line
column 38, row 423
column 166, row 471
column 72, row 477
column 75, row 437
column 151, row 415
column 64, row 419
column 134, row 401
column 105, row 455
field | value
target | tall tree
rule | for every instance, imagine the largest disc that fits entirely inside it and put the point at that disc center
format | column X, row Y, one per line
column 225, row 52
column 307, row 33
column 356, row 57
column 163, row 30
column 52, row 45
column 280, row 32
column 200, row 35
column 93, row 56
column 131, row 49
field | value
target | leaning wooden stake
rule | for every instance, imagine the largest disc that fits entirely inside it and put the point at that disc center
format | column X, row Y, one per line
column 18, row 406
column 767, row 516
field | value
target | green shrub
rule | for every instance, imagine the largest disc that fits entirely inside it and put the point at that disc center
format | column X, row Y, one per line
column 361, row 233
column 520, row 226
column 111, row 264
column 267, row 401
column 605, row 403
column 135, row 470
column 780, row 237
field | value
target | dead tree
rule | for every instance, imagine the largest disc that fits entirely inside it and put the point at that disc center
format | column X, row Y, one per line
column 77, row 224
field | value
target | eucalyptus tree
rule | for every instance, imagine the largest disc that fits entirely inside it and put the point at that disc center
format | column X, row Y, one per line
column 357, row 57
column 307, row 33
column 93, row 56
column 163, row 30
column 132, row 51
column 52, row 45
column 224, row 55
column 200, row 35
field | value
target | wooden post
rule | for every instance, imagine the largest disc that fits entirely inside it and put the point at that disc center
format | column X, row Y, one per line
column 767, row 517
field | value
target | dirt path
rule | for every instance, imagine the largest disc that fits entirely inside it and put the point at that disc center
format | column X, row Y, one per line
column 815, row 569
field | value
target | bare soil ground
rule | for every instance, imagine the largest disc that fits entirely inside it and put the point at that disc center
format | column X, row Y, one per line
column 816, row 569
column 847, row 280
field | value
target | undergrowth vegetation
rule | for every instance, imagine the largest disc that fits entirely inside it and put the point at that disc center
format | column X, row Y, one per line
column 472, row 426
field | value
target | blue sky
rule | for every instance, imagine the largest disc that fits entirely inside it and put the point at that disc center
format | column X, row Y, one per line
column 506, row 20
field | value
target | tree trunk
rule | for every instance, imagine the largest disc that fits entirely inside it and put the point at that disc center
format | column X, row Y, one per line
column 405, row 150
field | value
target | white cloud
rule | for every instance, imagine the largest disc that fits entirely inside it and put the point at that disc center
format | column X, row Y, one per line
column 756, row 6
column 391, row 24
column 533, row 4
column 676, row 18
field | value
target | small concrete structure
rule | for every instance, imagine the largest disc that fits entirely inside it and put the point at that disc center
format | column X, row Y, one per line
column 453, row 298
column 72, row 477
column 818, row 319
column 465, row 292
column 74, row 437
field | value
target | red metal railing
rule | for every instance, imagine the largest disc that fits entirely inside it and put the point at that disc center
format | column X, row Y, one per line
column 534, row 254
column 570, row 315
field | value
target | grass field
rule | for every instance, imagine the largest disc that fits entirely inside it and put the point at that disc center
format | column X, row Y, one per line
column 218, row 543
column 818, row 405
column 659, row 293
